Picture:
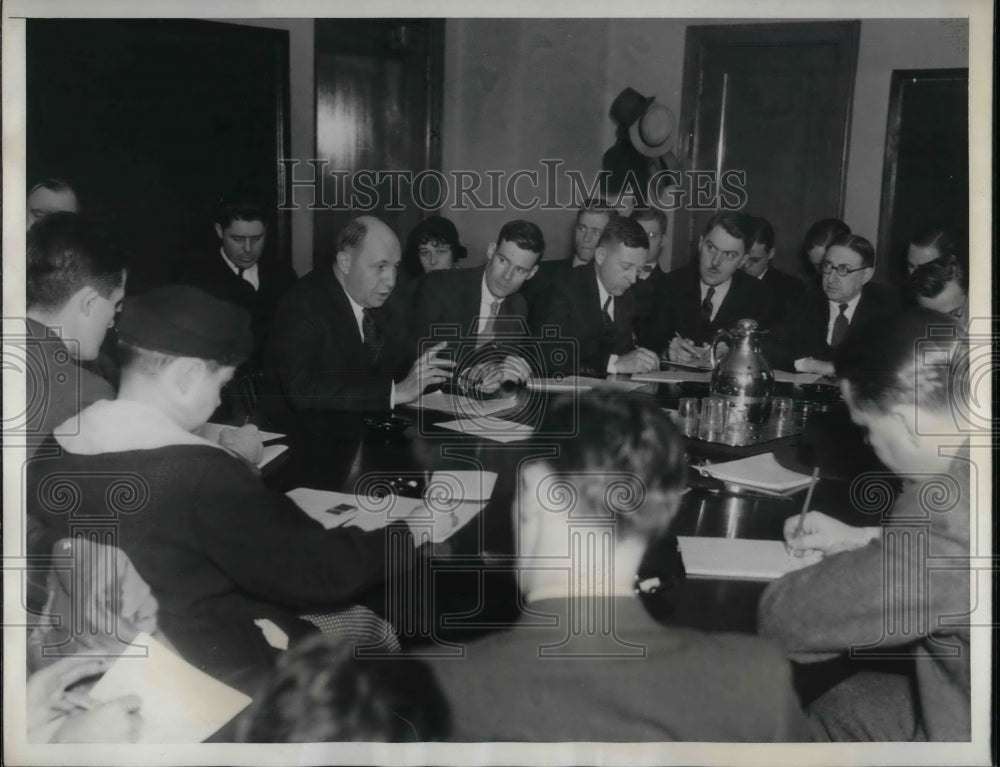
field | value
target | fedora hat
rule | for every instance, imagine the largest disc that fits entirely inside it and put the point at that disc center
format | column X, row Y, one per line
column 629, row 106
column 653, row 133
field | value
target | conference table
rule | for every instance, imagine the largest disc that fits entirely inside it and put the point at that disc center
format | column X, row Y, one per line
column 467, row 587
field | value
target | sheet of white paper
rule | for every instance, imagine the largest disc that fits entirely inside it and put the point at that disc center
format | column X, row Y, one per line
column 180, row 703
column 464, row 406
column 270, row 453
column 462, row 485
column 672, row 376
column 211, row 431
column 567, row 383
column 439, row 524
column 332, row 509
column 761, row 471
column 797, row 378
column 739, row 558
column 495, row 429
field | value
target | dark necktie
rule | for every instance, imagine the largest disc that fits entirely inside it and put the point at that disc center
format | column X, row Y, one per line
column 609, row 323
column 372, row 336
column 706, row 305
column 490, row 328
column 239, row 272
column 839, row 328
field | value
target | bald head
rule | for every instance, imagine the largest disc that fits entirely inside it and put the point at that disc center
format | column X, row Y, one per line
column 368, row 254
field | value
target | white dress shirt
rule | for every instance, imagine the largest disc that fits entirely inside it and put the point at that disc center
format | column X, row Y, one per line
column 486, row 300
column 718, row 297
column 835, row 312
column 251, row 274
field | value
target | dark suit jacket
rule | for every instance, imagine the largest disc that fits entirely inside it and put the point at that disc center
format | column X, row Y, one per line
column 644, row 682
column 677, row 308
column 803, row 332
column 575, row 309
column 785, row 290
column 317, row 357
column 647, row 292
column 447, row 305
column 210, row 273
column 538, row 290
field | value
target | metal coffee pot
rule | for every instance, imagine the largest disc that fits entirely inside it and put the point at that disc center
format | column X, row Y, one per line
column 742, row 377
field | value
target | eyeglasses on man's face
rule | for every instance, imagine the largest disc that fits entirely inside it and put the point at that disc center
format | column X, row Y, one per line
column 841, row 269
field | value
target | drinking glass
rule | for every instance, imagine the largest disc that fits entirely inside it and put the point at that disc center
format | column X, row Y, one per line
column 687, row 414
column 713, row 418
column 781, row 409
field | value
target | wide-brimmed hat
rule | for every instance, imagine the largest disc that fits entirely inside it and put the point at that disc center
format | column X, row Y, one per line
column 653, row 134
column 629, row 106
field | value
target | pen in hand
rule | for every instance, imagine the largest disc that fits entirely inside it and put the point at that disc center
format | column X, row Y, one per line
column 799, row 528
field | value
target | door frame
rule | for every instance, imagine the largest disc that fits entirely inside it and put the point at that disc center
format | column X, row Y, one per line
column 699, row 38
column 890, row 166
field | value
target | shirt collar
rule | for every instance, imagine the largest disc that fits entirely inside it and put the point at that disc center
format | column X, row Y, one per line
column 602, row 293
column 849, row 311
column 720, row 290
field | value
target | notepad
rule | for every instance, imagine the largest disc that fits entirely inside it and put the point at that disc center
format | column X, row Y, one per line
column 760, row 471
column 180, row 703
column 212, row 431
column 740, row 558
column 495, row 429
column 673, row 376
column 454, row 404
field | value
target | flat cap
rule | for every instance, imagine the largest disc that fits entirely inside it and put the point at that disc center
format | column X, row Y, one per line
column 185, row 321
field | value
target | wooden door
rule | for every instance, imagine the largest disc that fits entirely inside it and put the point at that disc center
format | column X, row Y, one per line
column 153, row 121
column 771, row 101
column 379, row 85
column 925, row 181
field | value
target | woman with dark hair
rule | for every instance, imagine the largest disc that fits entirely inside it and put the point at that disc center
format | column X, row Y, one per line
column 432, row 245
column 928, row 245
column 818, row 239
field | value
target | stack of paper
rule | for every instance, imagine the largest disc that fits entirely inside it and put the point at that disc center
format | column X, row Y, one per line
column 454, row 404
column 759, row 471
column 581, row 384
column 495, row 429
column 740, row 558
column 270, row 453
column 796, row 378
column 180, row 703
column 212, row 431
column 673, row 376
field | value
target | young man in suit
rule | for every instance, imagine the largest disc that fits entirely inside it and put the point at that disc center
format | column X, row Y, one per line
column 595, row 306
column 823, row 318
column 334, row 346
column 899, row 589
column 74, row 288
column 700, row 299
column 784, row 287
column 591, row 219
column 586, row 661
column 485, row 307
column 239, row 272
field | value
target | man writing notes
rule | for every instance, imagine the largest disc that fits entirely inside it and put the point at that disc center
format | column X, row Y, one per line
column 696, row 301
column 585, row 661
column 334, row 347
column 823, row 318
column 595, row 307
column 901, row 589
column 218, row 549
column 484, row 307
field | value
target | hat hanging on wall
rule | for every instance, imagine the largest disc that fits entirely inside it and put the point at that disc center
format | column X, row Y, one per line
column 655, row 131
column 629, row 106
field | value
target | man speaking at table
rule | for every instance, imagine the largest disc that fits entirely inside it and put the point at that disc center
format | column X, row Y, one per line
column 334, row 346
column 595, row 306
column 901, row 589
column 484, row 309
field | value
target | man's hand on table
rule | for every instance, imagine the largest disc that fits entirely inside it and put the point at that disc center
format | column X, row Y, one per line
column 637, row 361
column 244, row 442
column 684, row 351
column 428, row 370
